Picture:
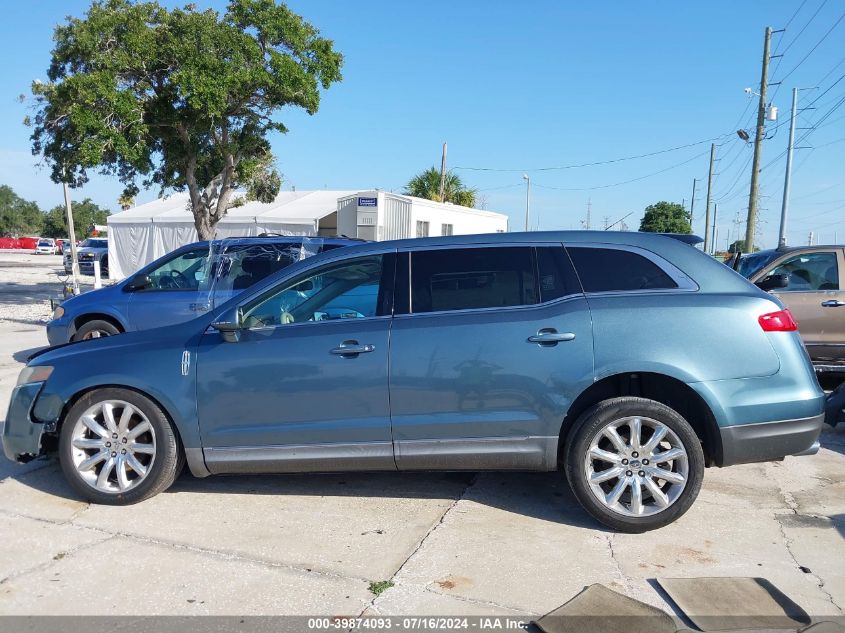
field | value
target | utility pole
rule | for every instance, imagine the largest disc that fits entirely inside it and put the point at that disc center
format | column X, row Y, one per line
column 787, row 180
column 715, row 211
column 751, row 223
column 692, row 202
column 707, row 203
column 443, row 174
column 589, row 211
column 74, row 266
column 527, row 198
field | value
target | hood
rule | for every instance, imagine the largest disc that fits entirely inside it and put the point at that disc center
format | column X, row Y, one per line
column 122, row 345
column 100, row 296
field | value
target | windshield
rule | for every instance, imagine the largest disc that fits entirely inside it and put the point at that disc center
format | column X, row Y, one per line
column 749, row 265
column 92, row 243
column 45, row 243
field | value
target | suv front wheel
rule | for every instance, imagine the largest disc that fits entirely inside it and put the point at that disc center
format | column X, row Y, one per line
column 117, row 447
column 634, row 464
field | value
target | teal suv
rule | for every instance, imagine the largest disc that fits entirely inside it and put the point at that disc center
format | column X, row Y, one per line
column 629, row 362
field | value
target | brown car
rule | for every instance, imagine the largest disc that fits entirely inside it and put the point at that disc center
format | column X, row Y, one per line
column 810, row 280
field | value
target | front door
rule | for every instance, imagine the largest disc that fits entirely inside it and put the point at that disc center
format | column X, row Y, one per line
column 305, row 387
column 496, row 345
column 176, row 292
column 816, row 298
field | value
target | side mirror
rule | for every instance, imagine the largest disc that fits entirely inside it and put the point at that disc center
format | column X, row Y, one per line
column 773, row 282
column 138, row 282
column 229, row 326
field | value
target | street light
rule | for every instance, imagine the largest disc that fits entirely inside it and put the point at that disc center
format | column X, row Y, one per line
column 527, row 198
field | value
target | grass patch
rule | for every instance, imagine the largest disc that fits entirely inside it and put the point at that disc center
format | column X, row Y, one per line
column 378, row 588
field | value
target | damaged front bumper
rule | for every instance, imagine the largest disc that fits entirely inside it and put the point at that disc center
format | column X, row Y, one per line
column 21, row 433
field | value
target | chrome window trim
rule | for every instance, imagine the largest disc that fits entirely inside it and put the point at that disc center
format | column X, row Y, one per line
column 533, row 306
column 684, row 282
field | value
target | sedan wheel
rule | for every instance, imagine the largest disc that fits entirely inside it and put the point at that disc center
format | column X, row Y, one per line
column 117, row 446
column 634, row 464
column 114, row 446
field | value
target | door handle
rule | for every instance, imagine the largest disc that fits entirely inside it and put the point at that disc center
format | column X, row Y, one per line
column 351, row 349
column 833, row 303
column 549, row 337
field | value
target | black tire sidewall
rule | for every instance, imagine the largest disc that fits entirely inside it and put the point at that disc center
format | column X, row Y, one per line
column 601, row 414
column 168, row 456
column 96, row 324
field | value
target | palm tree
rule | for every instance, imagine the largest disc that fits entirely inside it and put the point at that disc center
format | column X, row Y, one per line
column 427, row 185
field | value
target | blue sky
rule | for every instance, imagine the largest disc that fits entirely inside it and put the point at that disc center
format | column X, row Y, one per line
column 526, row 86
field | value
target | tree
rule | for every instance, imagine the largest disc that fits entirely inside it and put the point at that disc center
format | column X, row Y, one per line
column 739, row 246
column 181, row 99
column 665, row 217
column 85, row 214
column 18, row 216
column 427, row 185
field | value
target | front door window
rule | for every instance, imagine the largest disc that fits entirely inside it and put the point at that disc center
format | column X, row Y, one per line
column 810, row 272
column 343, row 290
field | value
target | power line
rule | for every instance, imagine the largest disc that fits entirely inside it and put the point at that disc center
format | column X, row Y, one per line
column 795, row 39
column 601, row 162
column 803, row 59
column 625, row 182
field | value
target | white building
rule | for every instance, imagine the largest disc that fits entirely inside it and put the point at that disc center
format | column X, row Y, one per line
column 144, row 233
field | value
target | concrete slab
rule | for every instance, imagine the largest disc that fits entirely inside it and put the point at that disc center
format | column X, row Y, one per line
column 358, row 525
column 123, row 576
column 36, row 543
column 41, row 494
column 711, row 541
column 516, row 540
column 413, row 600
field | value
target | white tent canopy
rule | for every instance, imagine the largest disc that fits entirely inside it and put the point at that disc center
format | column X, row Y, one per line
column 144, row 233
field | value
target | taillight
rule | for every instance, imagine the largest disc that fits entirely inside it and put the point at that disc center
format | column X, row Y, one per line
column 780, row 321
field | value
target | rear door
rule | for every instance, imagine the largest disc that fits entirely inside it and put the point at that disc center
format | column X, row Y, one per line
column 486, row 356
column 816, row 297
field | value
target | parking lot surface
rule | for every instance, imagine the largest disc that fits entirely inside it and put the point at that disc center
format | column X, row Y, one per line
column 450, row 544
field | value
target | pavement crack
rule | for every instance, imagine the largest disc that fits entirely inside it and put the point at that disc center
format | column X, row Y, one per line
column 55, row 559
column 485, row 603
column 372, row 603
column 802, row 568
column 218, row 554
column 621, row 574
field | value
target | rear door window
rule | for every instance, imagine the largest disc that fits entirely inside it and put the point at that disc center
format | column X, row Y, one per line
column 612, row 269
column 472, row 278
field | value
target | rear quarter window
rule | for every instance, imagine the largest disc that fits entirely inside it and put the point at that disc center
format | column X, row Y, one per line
column 611, row 269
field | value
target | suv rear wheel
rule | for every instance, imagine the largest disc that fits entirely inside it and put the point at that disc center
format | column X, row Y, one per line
column 117, row 447
column 634, row 464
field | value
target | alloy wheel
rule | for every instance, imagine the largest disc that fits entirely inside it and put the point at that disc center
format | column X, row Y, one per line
column 636, row 466
column 113, row 446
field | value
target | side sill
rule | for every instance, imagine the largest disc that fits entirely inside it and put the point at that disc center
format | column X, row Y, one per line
column 300, row 458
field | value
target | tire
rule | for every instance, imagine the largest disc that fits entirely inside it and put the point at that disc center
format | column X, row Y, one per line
column 96, row 328
column 87, row 449
column 612, row 499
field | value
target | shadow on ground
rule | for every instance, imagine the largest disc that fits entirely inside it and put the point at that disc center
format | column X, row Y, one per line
column 544, row 496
